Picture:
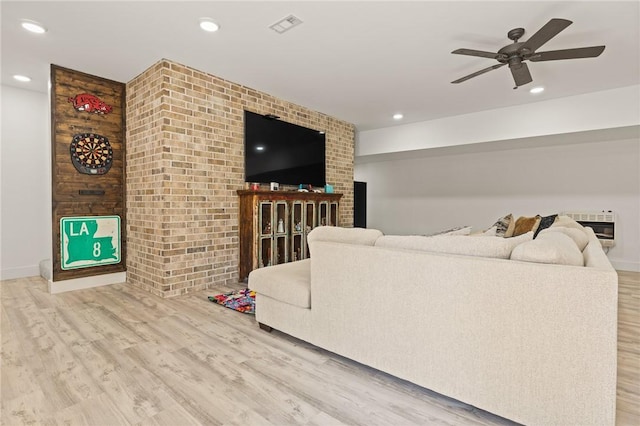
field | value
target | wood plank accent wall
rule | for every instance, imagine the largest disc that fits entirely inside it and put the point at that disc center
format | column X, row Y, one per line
column 185, row 162
column 67, row 182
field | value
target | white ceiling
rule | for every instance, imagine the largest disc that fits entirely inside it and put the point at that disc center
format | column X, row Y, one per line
column 360, row 61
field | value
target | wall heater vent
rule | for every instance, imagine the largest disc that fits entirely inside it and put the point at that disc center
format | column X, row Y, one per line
column 603, row 224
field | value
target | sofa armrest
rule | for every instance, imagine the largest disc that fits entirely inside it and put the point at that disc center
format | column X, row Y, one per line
column 360, row 236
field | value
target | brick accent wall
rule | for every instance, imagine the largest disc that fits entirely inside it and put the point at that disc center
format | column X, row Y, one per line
column 185, row 161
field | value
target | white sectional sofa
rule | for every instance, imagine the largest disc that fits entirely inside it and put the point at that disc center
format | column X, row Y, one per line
column 533, row 342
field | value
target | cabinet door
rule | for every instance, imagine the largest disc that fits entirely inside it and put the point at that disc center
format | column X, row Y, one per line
column 310, row 222
column 297, row 231
column 266, row 230
column 309, row 216
column 265, row 218
column 265, row 252
column 281, row 254
column 324, row 213
column 281, row 219
column 334, row 213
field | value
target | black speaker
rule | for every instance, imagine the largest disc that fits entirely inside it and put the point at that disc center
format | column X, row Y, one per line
column 360, row 204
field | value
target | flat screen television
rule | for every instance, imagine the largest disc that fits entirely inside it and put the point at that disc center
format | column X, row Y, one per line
column 277, row 151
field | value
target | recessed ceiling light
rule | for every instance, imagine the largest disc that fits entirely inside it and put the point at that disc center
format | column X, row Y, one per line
column 33, row 26
column 397, row 116
column 321, row 132
column 207, row 24
column 22, row 78
column 537, row 90
column 259, row 148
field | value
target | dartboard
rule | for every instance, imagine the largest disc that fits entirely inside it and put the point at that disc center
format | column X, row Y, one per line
column 91, row 153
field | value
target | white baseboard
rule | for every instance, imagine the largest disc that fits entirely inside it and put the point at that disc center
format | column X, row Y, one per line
column 22, row 272
column 622, row 265
column 86, row 282
column 46, row 269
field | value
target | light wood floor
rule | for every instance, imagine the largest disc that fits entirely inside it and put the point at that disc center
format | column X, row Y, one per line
column 116, row 355
column 628, row 403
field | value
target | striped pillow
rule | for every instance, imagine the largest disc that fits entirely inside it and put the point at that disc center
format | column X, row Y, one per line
column 502, row 225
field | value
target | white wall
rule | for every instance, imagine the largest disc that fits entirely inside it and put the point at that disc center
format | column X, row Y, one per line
column 25, row 182
column 589, row 112
column 427, row 194
column 575, row 153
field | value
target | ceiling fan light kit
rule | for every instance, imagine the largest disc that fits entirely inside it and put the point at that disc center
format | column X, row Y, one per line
column 515, row 54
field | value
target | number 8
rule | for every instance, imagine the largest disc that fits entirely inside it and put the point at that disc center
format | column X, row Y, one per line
column 96, row 249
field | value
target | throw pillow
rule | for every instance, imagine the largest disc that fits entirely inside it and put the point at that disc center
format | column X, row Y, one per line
column 502, row 225
column 545, row 222
column 552, row 247
column 578, row 236
column 525, row 224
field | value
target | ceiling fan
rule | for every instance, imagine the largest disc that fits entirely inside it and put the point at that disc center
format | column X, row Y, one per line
column 516, row 53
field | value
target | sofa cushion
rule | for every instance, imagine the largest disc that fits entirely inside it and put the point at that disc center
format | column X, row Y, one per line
column 549, row 247
column 498, row 247
column 360, row 236
column 525, row 224
column 567, row 222
column 577, row 235
column 288, row 282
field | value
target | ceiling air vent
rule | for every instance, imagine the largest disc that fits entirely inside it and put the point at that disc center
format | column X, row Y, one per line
column 285, row 24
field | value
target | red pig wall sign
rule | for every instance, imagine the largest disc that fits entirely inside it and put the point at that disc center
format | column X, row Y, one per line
column 90, row 103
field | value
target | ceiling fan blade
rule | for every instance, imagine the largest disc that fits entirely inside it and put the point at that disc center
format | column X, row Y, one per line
column 479, row 53
column 546, row 33
column 477, row 73
column 580, row 52
column 521, row 74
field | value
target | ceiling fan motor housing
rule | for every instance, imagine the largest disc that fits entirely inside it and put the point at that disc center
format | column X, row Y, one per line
column 511, row 53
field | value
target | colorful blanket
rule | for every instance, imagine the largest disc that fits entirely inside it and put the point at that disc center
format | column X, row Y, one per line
column 242, row 300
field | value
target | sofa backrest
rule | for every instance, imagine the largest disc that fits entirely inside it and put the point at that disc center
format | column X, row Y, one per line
column 359, row 236
column 497, row 247
column 565, row 243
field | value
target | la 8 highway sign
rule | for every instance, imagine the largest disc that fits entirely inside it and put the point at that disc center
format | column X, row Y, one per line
column 89, row 241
